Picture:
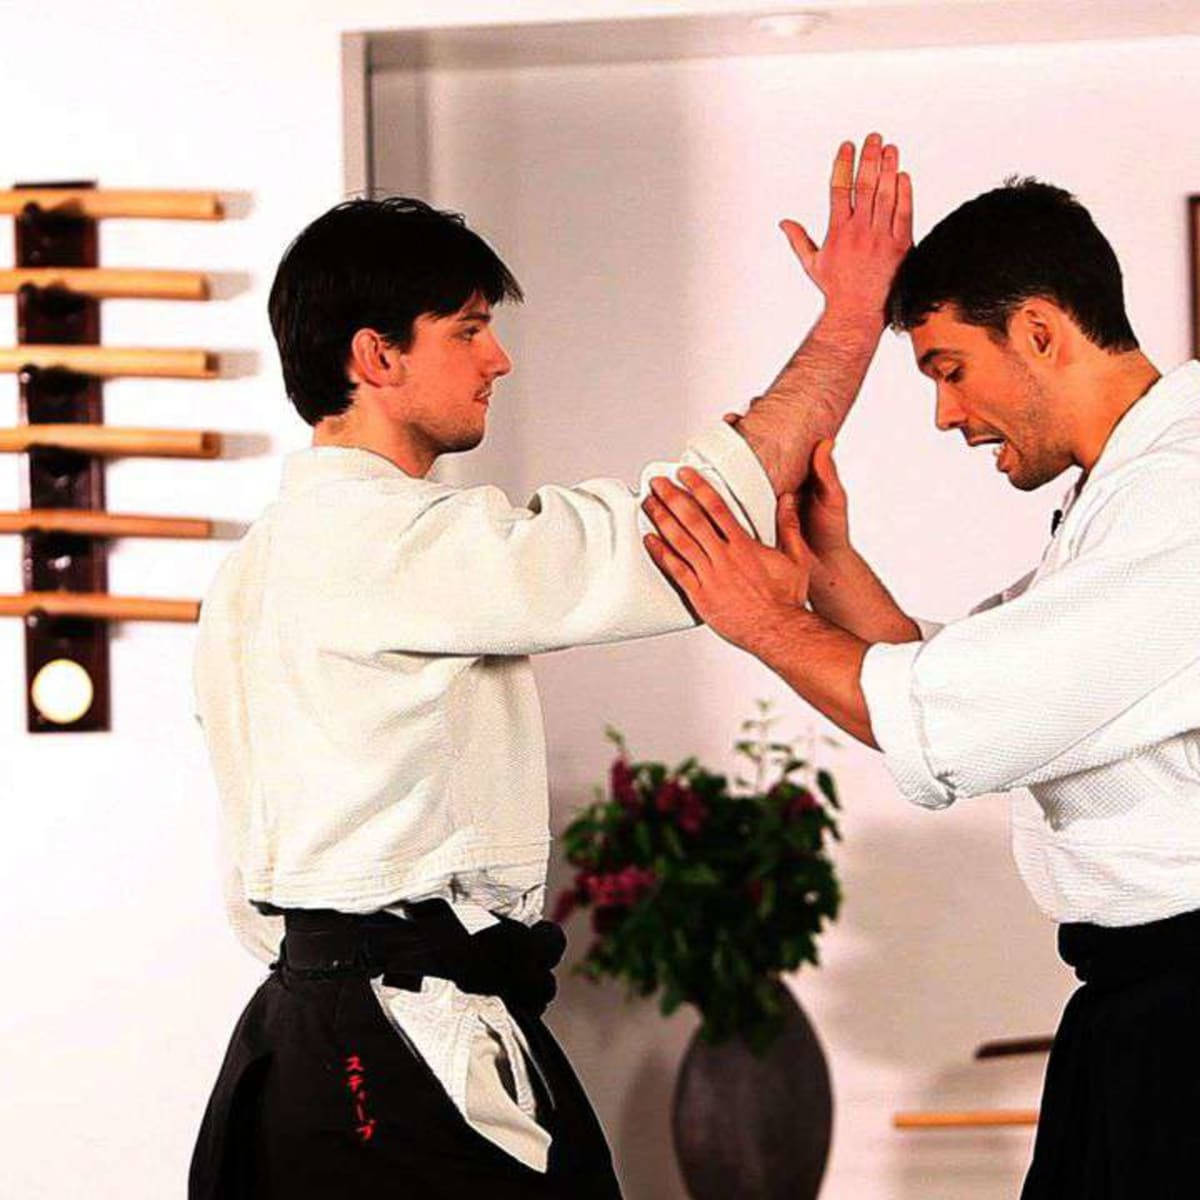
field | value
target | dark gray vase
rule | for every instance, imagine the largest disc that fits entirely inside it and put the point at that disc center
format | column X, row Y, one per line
column 750, row 1128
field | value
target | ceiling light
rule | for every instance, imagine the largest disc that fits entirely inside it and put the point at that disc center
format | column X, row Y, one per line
column 789, row 25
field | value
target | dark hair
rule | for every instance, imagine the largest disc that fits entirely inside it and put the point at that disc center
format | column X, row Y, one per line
column 1021, row 240
column 375, row 264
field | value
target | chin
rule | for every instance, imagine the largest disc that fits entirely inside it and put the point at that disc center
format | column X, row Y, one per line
column 1030, row 481
column 462, row 442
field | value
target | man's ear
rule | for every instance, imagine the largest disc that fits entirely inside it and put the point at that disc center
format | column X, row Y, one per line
column 1042, row 330
column 374, row 361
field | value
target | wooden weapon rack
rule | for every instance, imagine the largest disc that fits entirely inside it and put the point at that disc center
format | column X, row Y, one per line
column 61, row 366
column 981, row 1118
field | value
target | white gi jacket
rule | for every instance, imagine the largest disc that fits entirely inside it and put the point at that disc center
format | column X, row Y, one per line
column 1081, row 682
column 371, row 715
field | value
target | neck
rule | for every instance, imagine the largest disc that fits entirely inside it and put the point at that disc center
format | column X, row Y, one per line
column 1112, row 385
column 356, row 430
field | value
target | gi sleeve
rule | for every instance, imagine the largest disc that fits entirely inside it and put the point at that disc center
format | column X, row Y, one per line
column 471, row 574
column 1095, row 661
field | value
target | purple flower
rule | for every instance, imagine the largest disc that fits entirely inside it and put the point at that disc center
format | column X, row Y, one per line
column 669, row 796
column 620, row 889
column 692, row 813
column 621, row 781
column 802, row 802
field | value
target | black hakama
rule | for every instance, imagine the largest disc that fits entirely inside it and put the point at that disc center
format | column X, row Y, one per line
column 319, row 1096
column 1120, row 1115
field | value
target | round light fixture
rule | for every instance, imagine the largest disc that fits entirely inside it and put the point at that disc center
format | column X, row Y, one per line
column 62, row 691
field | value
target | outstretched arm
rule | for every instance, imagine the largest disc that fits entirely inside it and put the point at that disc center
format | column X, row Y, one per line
column 870, row 230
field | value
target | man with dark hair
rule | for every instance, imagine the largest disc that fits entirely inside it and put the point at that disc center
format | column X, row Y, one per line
column 1080, row 682
column 364, row 687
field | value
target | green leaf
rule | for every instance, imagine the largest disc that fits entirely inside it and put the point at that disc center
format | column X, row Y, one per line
column 698, row 874
column 616, row 737
column 641, row 835
column 670, row 836
column 672, row 998
column 828, row 788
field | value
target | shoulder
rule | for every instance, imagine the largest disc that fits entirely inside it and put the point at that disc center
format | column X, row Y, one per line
column 1154, row 495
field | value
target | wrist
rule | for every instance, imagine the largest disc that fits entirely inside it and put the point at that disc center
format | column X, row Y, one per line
column 859, row 317
column 838, row 559
column 778, row 629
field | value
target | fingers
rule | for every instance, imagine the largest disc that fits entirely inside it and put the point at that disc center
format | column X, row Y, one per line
column 681, row 522
column 670, row 564
column 841, row 184
column 802, row 245
column 709, row 499
column 869, row 165
column 902, row 220
column 787, row 529
column 884, row 211
column 825, row 471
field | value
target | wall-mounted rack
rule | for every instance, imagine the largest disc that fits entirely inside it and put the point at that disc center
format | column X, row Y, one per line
column 61, row 366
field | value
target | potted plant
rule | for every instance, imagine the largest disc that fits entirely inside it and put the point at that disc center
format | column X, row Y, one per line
column 705, row 893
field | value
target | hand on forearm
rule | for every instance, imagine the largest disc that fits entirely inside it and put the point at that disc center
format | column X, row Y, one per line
column 753, row 595
column 845, row 591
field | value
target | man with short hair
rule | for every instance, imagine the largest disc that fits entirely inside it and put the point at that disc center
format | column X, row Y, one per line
column 363, row 681
column 1080, row 682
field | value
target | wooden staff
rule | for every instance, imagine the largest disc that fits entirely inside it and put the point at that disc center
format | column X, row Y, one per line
column 107, row 202
column 102, row 524
column 113, row 440
column 103, row 283
column 982, row 1119
column 99, row 606
column 1003, row 1047
column 108, row 361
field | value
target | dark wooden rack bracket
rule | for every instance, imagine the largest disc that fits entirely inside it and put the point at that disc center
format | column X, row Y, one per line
column 62, row 478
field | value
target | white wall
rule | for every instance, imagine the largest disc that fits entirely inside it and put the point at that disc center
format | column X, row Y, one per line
column 121, row 982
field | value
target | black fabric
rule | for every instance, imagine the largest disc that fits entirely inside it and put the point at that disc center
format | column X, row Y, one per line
column 321, row 1096
column 510, row 960
column 1120, row 1114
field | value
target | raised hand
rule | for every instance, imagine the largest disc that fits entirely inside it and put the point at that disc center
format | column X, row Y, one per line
column 869, row 232
column 740, row 588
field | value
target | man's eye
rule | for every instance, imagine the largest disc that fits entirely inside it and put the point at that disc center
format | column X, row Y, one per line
column 953, row 376
column 468, row 334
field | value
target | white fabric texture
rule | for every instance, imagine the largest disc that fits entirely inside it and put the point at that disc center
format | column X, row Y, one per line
column 1081, row 683
column 475, row 1049
column 362, row 680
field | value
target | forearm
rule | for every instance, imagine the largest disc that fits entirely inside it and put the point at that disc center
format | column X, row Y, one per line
column 822, row 664
column 810, row 397
column 845, row 591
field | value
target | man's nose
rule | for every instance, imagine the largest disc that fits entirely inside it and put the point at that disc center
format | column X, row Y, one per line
column 947, row 414
column 500, row 363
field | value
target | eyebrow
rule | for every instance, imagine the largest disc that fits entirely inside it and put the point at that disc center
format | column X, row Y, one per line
column 476, row 314
column 929, row 356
